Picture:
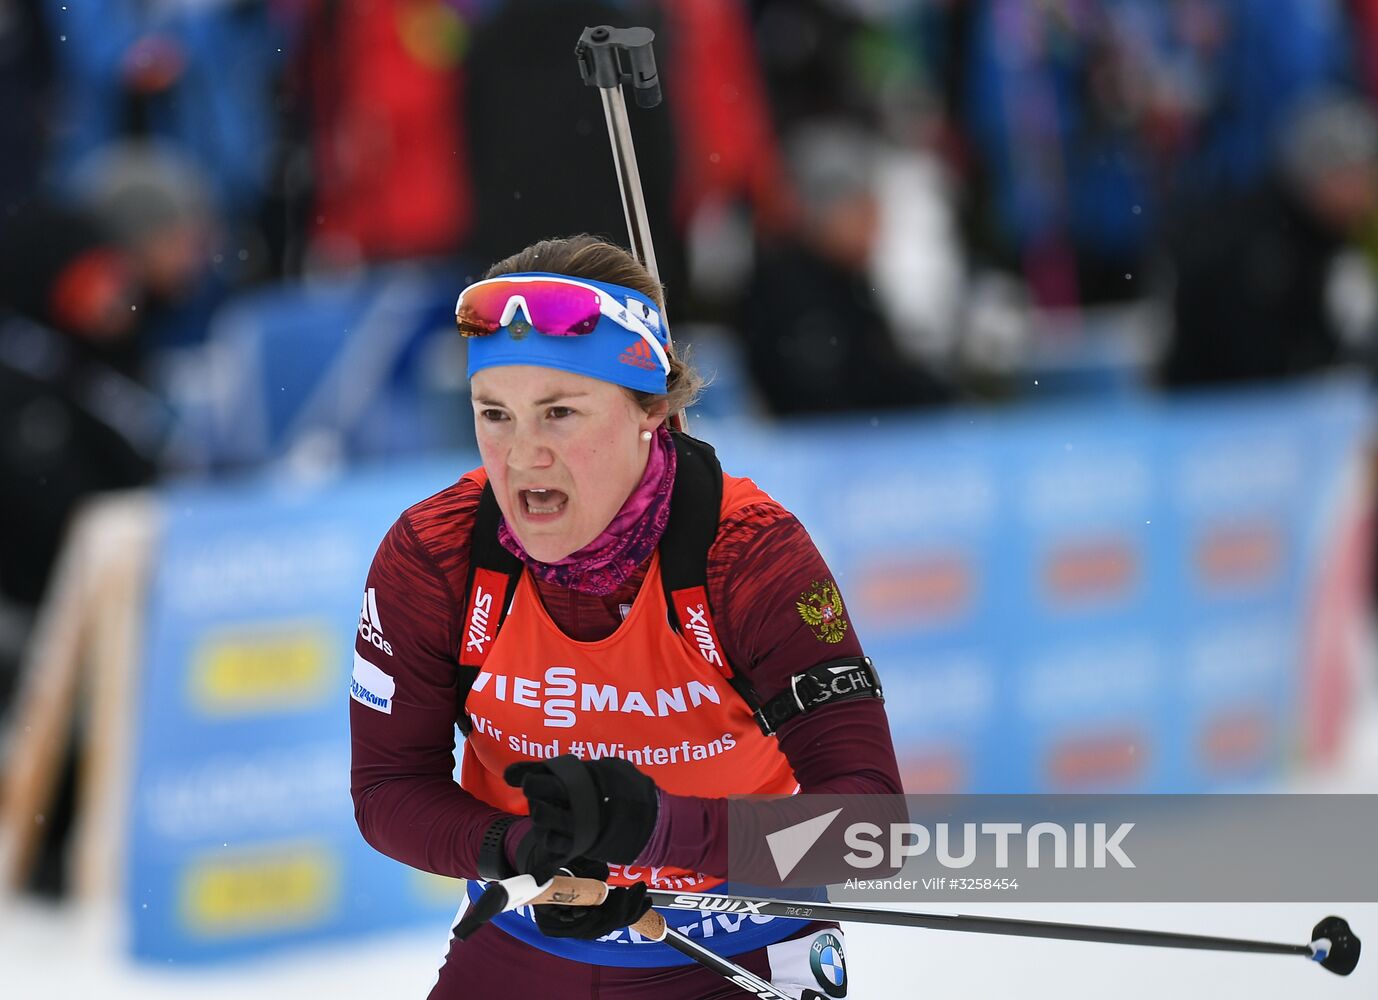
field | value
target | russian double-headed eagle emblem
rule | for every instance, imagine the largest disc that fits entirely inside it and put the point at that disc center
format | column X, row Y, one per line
column 822, row 610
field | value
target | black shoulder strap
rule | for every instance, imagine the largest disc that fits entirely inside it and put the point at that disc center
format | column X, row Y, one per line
column 485, row 550
column 695, row 503
column 493, row 577
column 695, row 511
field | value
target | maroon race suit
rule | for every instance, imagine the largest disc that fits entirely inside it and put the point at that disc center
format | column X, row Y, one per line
column 761, row 568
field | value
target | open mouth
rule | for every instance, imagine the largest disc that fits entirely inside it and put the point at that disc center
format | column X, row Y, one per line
column 543, row 502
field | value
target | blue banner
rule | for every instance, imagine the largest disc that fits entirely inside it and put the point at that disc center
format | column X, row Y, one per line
column 1147, row 598
column 243, row 833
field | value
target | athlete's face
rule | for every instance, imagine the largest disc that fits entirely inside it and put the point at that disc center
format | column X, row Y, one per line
column 563, row 452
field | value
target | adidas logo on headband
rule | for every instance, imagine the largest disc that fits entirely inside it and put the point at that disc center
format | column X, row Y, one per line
column 639, row 355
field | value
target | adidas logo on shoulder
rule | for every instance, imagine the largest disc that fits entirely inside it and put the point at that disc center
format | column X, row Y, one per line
column 370, row 627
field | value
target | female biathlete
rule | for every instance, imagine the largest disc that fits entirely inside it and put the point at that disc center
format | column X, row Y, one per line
column 622, row 632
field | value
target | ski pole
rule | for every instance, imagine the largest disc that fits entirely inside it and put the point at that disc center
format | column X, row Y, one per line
column 725, row 967
column 523, row 890
column 600, row 52
column 609, row 57
column 1333, row 945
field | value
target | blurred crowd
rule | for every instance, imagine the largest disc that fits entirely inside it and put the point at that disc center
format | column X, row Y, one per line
column 871, row 204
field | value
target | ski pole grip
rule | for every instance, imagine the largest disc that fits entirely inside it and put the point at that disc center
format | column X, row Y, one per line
column 601, row 64
column 651, row 925
column 566, row 890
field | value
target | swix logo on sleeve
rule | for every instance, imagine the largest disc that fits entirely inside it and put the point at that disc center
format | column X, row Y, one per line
column 370, row 625
column 480, row 619
column 692, row 605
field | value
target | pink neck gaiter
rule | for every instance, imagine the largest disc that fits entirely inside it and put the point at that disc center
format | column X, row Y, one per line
column 605, row 563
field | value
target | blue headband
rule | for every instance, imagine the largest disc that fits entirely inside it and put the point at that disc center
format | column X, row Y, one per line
column 611, row 352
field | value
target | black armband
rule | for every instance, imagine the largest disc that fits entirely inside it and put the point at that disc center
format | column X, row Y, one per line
column 492, row 856
column 837, row 680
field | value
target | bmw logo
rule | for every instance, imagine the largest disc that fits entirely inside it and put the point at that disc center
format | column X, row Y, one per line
column 829, row 964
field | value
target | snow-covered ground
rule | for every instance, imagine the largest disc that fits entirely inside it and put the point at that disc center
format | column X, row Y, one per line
column 54, row 953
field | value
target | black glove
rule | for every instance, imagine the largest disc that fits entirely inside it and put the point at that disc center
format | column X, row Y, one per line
column 622, row 907
column 603, row 809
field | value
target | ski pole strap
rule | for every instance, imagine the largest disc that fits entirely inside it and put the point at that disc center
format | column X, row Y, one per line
column 837, row 680
column 584, row 802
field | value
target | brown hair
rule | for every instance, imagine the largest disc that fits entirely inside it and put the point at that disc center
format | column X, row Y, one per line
column 586, row 256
